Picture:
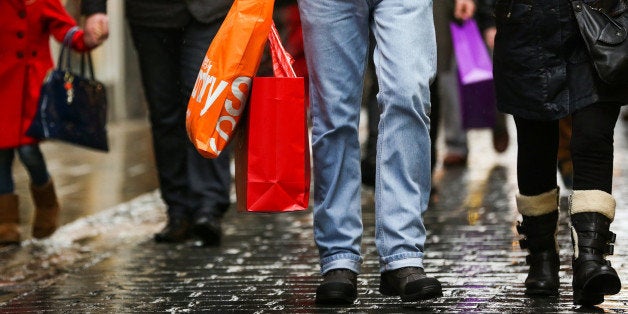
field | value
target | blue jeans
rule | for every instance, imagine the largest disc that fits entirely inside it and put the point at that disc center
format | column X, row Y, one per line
column 336, row 38
column 33, row 161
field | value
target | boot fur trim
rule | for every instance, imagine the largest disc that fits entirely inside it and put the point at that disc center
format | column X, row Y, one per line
column 592, row 201
column 538, row 205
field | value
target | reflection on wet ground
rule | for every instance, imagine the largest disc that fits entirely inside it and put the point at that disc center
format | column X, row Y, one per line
column 107, row 262
column 89, row 181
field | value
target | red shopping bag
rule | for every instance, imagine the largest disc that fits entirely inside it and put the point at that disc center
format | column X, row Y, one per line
column 224, row 80
column 272, row 154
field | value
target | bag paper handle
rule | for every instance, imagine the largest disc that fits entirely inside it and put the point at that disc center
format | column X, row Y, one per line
column 282, row 60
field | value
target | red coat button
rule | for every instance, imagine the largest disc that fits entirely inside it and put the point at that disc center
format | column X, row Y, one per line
column 22, row 14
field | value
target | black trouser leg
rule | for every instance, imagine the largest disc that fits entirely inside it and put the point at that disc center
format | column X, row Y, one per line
column 537, row 143
column 592, row 146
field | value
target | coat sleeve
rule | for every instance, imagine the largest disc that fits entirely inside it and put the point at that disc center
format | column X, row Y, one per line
column 484, row 14
column 59, row 22
column 89, row 7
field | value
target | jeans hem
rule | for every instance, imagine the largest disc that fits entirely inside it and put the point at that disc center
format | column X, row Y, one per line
column 341, row 261
column 401, row 260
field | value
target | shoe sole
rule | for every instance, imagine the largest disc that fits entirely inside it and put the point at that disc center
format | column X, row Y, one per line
column 334, row 300
column 594, row 290
column 541, row 292
column 427, row 292
column 207, row 235
column 336, row 294
column 161, row 239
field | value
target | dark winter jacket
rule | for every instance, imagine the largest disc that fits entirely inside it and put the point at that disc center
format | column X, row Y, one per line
column 484, row 14
column 165, row 13
column 541, row 67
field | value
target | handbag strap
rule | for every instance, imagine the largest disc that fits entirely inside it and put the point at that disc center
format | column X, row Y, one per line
column 612, row 33
column 90, row 64
column 65, row 47
column 65, row 55
column 612, row 9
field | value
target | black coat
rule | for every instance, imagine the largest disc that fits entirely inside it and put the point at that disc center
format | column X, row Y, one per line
column 541, row 67
column 165, row 13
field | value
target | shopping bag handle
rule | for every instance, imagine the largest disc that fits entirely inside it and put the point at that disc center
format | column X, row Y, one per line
column 282, row 60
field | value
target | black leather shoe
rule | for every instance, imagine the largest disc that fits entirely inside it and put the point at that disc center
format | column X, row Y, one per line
column 410, row 283
column 339, row 287
column 208, row 229
column 177, row 230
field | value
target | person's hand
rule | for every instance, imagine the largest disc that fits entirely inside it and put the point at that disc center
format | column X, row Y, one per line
column 464, row 9
column 489, row 37
column 96, row 29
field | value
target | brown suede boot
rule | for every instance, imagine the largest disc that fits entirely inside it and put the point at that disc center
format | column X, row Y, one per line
column 46, row 210
column 9, row 220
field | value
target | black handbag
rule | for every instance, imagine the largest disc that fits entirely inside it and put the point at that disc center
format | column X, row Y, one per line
column 72, row 107
column 605, row 34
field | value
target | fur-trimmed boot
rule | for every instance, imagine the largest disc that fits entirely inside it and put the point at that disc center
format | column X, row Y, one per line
column 539, row 227
column 46, row 210
column 592, row 212
column 9, row 220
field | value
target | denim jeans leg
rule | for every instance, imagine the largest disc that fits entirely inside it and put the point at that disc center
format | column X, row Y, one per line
column 336, row 42
column 405, row 61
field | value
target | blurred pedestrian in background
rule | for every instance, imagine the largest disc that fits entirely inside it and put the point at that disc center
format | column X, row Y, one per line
column 443, row 89
column 455, row 136
column 24, row 61
column 336, row 40
column 542, row 74
column 171, row 38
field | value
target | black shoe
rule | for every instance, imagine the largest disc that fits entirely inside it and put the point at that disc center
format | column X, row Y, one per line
column 593, row 275
column 177, row 230
column 542, row 277
column 208, row 229
column 339, row 287
column 410, row 283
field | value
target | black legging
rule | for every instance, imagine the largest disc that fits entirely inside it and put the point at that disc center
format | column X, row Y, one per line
column 591, row 150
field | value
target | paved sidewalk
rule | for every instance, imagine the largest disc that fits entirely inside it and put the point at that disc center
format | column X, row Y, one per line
column 107, row 262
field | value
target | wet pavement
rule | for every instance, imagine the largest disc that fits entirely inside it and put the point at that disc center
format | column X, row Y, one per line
column 103, row 259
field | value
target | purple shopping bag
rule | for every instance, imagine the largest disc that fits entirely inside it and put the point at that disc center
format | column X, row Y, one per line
column 475, row 76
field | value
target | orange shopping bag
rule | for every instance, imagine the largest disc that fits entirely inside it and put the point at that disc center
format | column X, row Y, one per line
column 272, row 154
column 223, row 83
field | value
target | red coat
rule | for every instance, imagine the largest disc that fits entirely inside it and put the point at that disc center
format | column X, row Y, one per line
column 25, row 59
